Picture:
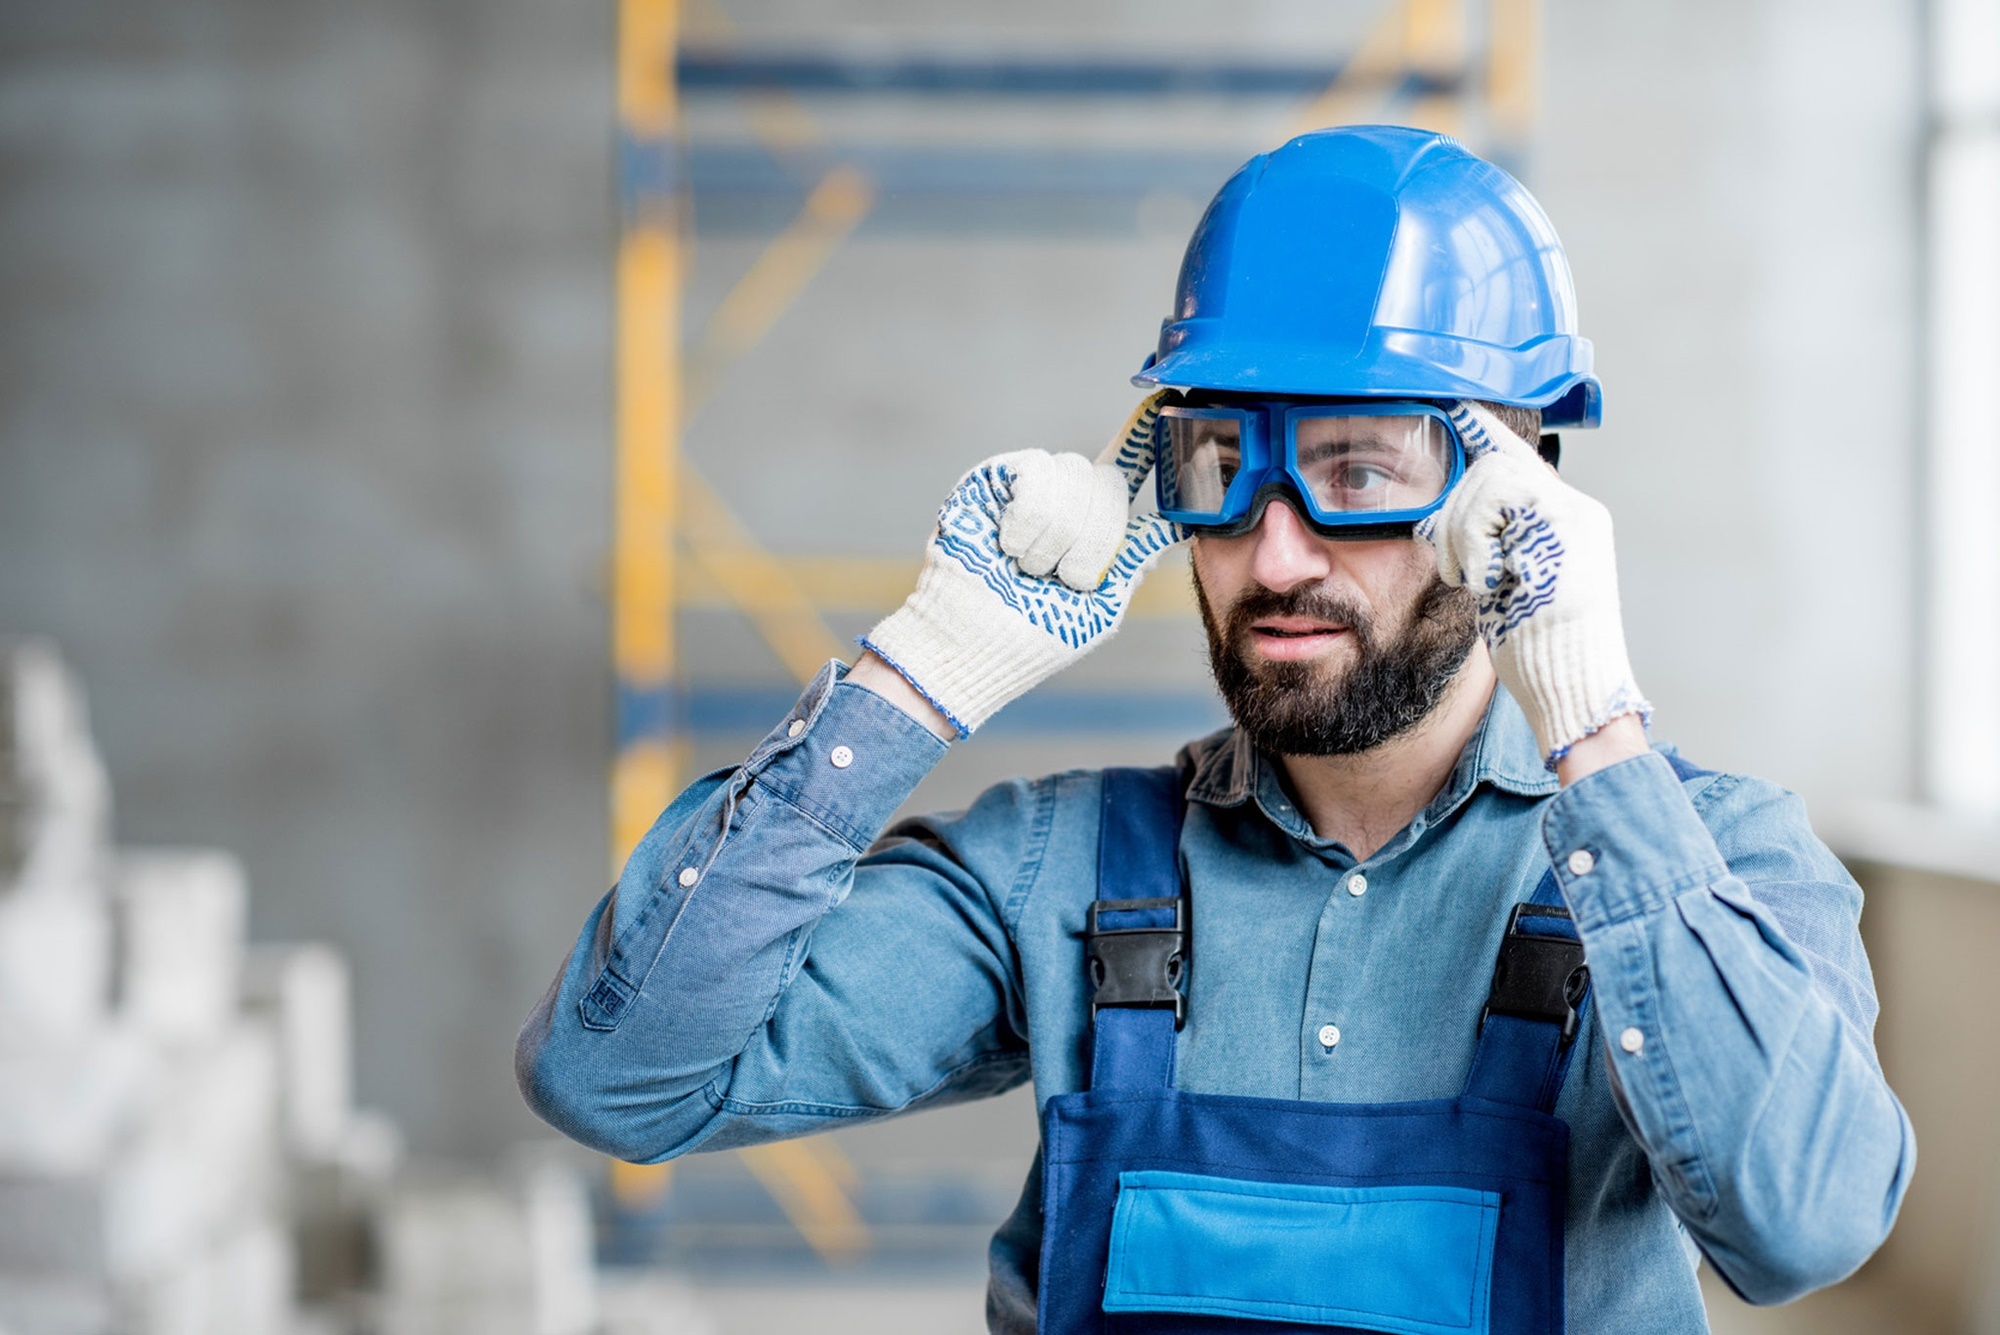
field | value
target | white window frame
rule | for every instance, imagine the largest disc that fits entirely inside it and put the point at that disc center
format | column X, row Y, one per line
column 1961, row 673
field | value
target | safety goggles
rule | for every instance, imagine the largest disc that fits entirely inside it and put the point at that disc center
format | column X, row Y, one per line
column 1352, row 470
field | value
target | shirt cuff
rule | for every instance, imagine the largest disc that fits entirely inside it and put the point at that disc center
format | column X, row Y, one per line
column 845, row 756
column 1625, row 840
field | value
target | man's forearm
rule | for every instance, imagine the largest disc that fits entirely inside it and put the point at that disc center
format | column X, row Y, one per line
column 877, row 676
column 684, row 962
column 1621, row 739
column 1762, row 1109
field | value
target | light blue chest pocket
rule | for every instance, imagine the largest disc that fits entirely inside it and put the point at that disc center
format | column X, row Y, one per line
column 1412, row 1260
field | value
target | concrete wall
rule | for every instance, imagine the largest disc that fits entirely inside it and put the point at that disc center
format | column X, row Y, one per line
column 302, row 459
column 1738, row 186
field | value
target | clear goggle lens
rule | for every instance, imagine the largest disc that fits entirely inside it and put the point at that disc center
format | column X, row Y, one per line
column 1351, row 465
column 1343, row 464
column 1202, row 456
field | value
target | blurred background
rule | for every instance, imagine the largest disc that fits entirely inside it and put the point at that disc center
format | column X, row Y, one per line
column 430, row 432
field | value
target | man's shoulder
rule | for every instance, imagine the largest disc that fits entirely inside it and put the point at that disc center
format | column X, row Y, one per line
column 1721, row 790
column 1211, row 757
column 1038, row 800
column 1755, row 821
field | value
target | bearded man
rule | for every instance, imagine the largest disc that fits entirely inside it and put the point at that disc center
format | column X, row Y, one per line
column 1427, row 998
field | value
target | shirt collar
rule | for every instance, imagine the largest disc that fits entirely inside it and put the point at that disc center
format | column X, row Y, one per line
column 1503, row 752
column 1228, row 771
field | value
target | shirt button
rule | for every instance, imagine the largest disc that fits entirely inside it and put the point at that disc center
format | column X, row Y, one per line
column 1329, row 1036
column 1581, row 862
column 1357, row 885
column 688, row 877
column 1631, row 1040
column 798, row 726
column 841, row 757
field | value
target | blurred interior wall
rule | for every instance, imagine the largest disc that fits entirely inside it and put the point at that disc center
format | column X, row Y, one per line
column 1739, row 188
column 1962, row 341
column 303, row 421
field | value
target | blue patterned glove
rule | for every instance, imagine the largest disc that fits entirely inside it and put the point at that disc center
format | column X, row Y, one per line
column 1538, row 555
column 1032, row 563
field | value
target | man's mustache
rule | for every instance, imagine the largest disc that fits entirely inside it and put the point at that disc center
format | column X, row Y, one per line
column 1303, row 601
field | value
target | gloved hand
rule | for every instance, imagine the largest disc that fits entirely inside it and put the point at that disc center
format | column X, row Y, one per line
column 1537, row 553
column 987, row 622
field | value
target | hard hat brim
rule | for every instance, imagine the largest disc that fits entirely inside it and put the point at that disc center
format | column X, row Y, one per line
column 1553, row 374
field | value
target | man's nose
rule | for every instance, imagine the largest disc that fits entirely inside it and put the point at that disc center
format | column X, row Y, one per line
column 1287, row 553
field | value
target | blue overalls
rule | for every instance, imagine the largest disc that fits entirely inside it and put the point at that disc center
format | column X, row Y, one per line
column 1166, row 1211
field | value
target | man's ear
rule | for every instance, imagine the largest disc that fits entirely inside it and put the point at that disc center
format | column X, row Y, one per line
column 1550, row 447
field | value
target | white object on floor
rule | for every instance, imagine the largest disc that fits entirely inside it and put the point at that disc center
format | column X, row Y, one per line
column 466, row 1254
column 241, row 1284
column 190, row 1157
column 69, row 1102
column 55, row 801
column 303, row 990
column 848, row 1309
column 561, row 1246
column 644, row 1302
column 205, row 1159
column 181, row 919
column 55, row 961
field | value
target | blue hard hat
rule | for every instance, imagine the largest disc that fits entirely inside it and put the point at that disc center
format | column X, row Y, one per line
column 1378, row 261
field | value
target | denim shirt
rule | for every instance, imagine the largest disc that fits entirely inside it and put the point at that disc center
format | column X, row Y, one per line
column 767, row 966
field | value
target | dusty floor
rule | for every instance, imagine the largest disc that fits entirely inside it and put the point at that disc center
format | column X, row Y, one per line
column 673, row 1308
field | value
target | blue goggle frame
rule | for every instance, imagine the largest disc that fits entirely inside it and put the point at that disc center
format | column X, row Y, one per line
column 1264, row 473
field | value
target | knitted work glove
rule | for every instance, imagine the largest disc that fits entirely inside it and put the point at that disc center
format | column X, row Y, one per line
column 1031, row 565
column 1538, row 555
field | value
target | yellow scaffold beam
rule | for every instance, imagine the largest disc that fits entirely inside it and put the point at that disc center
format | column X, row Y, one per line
column 648, row 414
column 809, row 1179
column 729, row 556
column 756, row 583
column 1421, row 37
column 646, row 454
column 1358, row 89
column 1513, row 69
column 1434, row 47
column 832, row 211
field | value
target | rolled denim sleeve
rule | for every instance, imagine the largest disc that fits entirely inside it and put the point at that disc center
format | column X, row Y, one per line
column 1737, row 1007
column 715, row 998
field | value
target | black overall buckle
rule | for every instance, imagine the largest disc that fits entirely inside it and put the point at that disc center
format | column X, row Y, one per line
column 1538, row 977
column 1137, row 966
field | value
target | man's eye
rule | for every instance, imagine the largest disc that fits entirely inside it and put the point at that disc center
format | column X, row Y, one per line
column 1361, row 477
column 1222, row 460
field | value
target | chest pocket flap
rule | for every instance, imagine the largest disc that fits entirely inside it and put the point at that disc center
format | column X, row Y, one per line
column 1408, row 1260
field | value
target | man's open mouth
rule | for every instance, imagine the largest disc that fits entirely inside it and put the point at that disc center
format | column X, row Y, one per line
column 1296, row 628
column 1289, row 637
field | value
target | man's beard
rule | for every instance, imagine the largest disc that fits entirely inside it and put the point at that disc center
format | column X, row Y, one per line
column 1305, row 708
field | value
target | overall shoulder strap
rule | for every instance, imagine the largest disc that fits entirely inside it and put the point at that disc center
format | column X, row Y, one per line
column 1541, row 988
column 1136, row 936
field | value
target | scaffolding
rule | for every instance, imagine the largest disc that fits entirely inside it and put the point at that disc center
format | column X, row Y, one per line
column 1463, row 67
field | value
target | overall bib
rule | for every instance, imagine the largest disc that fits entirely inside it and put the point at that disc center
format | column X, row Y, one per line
column 1208, row 1214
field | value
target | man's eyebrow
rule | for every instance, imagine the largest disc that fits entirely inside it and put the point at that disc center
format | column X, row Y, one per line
column 1321, row 449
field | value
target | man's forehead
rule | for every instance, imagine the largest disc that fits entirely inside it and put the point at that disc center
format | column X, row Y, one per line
column 1319, row 437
